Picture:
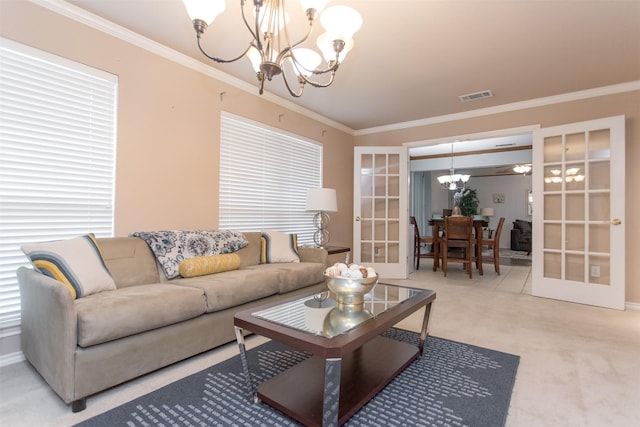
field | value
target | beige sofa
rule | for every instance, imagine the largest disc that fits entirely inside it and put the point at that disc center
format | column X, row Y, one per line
column 86, row 345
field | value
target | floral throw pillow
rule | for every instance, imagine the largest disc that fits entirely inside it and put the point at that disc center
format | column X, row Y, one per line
column 174, row 246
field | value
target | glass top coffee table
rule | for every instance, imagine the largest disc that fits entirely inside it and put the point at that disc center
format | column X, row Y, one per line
column 350, row 361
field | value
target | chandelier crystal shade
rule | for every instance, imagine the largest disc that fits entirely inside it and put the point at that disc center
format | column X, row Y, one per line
column 570, row 175
column 270, row 49
column 453, row 181
column 523, row 169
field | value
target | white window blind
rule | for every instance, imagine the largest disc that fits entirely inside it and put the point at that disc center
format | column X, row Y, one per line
column 264, row 178
column 57, row 157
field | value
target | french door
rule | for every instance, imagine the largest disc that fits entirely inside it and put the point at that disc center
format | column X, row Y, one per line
column 579, row 195
column 380, row 210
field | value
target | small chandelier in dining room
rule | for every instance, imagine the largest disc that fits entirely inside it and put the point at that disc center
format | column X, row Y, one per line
column 453, row 181
column 523, row 169
column 270, row 49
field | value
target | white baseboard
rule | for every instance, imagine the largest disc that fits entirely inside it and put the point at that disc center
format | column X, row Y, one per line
column 11, row 358
column 632, row 306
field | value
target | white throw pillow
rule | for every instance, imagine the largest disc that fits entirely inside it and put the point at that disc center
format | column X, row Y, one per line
column 278, row 247
column 76, row 263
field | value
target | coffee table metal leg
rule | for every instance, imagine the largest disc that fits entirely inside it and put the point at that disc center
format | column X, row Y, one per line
column 424, row 332
column 331, row 402
column 245, row 364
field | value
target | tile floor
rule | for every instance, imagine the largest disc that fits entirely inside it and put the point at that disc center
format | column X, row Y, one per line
column 580, row 365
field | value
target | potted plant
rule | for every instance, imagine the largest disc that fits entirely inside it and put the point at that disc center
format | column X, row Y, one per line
column 469, row 202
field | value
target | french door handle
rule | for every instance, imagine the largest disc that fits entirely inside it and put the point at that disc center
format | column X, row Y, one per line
column 357, row 218
column 616, row 221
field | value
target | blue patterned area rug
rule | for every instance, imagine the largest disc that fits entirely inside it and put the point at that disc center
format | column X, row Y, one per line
column 453, row 384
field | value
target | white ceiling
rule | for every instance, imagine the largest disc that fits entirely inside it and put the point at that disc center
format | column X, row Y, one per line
column 413, row 58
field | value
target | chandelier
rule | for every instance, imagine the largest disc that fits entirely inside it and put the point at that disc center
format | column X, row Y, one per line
column 270, row 49
column 523, row 169
column 453, row 181
column 570, row 175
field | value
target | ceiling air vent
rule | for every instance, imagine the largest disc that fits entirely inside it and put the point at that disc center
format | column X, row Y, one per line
column 476, row 95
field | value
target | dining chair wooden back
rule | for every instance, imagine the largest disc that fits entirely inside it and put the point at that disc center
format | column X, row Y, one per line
column 493, row 242
column 457, row 234
column 418, row 241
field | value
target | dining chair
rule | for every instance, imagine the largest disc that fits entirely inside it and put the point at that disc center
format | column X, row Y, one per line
column 418, row 241
column 457, row 234
column 493, row 242
column 447, row 212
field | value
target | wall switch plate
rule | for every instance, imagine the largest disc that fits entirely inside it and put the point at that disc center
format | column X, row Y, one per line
column 595, row 271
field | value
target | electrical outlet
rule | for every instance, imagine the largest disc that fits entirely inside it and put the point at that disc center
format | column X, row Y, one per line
column 595, row 271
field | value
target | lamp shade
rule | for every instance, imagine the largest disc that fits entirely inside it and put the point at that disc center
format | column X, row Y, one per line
column 322, row 200
column 205, row 10
column 325, row 44
column 486, row 211
column 341, row 22
column 308, row 59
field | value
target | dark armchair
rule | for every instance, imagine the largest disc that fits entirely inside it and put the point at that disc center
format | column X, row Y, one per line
column 521, row 236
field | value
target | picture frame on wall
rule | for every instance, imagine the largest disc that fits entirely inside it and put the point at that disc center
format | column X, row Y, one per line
column 498, row 197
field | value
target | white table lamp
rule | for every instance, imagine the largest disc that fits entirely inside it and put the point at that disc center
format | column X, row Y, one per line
column 321, row 200
column 487, row 213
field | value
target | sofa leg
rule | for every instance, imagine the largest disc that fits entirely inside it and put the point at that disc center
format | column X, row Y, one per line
column 79, row 405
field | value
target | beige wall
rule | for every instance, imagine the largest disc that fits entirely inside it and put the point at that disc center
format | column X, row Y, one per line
column 168, row 126
column 168, row 131
column 627, row 104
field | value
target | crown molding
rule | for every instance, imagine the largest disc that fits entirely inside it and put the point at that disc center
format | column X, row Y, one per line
column 532, row 103
column 82, row 16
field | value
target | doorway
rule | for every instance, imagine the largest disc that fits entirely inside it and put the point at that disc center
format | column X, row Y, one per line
column 489, row 158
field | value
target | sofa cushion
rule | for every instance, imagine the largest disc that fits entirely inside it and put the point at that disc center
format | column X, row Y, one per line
column 172, row 246
column 129, row 260
column 250, row 254
column 232, row 288
column 212, row 264
column 523, row 226
column 279, row 247
column 295, row 275
column 76, row 263
column 127, row 311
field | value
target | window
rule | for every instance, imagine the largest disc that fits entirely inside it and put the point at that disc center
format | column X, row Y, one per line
column 57, row 157
column 264, row 178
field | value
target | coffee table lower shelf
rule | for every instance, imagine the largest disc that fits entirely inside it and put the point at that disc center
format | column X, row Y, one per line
column 298, row 391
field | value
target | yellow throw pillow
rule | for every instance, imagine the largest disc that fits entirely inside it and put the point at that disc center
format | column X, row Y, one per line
column 201, row 266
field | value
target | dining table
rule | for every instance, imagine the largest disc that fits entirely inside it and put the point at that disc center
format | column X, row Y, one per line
column 437, row 224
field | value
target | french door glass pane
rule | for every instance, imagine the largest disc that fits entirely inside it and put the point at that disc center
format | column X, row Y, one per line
column 600, row 144
column 574, row 147
column 599, row 173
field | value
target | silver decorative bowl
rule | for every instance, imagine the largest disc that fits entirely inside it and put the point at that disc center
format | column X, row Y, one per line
column 350, row 292
column 343, row 318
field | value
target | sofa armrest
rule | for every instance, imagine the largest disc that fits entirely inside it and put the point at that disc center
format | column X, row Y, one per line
column 49, row 330
column 318, row 255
